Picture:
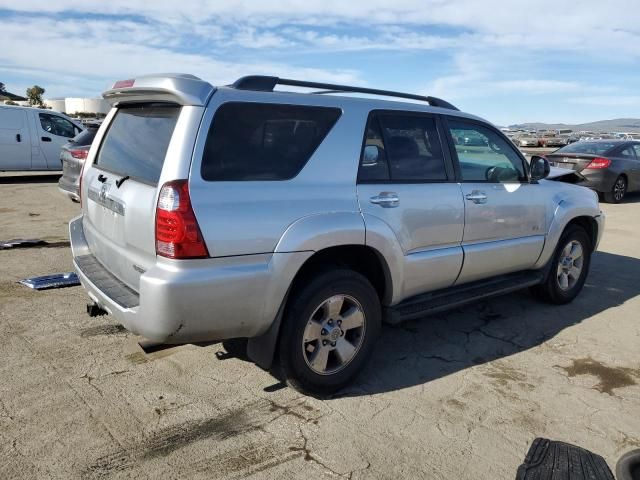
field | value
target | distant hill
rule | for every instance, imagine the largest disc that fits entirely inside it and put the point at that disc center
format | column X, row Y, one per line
column 615, row 125
column 11, row 96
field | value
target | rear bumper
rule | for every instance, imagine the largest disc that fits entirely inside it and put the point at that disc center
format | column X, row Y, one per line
column 69, row 186
column 193, row 300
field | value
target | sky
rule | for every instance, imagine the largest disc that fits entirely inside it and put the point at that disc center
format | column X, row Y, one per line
column 508, row 61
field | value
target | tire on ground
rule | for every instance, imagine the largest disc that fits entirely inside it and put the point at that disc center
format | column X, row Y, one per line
column 306, row 301
column 550, row 291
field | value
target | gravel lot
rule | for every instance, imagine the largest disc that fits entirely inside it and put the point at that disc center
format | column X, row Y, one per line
column 458, row 395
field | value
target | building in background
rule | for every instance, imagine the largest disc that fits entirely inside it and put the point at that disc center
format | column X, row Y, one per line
column 73, row 105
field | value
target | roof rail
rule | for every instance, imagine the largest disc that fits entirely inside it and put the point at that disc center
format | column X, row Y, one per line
column 265, row 83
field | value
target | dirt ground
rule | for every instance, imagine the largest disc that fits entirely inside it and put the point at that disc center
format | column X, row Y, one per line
column 458, row 395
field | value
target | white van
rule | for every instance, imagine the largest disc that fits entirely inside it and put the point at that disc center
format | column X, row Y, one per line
column 31, row 138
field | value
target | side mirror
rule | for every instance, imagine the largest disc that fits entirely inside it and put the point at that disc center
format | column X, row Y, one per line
column 540, row 167
column 371, row 155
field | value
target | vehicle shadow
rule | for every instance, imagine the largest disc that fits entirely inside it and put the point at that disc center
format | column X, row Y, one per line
column 631, row 198
column 418, row 352
column 39, row 178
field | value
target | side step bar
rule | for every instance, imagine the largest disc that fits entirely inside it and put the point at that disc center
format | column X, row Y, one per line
column 445, row 299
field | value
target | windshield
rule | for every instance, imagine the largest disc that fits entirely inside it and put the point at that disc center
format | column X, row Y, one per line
column 591, row 148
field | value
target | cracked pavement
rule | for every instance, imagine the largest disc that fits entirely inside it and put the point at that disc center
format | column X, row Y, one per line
column 458, row 395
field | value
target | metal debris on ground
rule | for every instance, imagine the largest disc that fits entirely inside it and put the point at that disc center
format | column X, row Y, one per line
column 21, row 243
column 57, row 280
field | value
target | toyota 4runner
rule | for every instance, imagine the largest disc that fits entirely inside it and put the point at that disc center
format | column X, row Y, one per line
column 301, row 221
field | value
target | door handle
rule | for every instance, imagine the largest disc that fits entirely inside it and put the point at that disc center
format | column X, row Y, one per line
column 386, row 199
column 476, row 196
column 18, row 138
column 46, row 139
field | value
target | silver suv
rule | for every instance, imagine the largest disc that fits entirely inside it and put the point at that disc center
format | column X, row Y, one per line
column 302, row 221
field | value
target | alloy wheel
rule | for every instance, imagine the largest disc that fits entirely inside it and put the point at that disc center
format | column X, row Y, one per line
column 333, row 334
column 570, row 265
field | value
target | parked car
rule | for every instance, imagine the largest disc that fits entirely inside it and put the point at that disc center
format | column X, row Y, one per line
column 610, row 167
column 551, row 141
column 31, row 138
column 239, row 211
column 527, row 140
column 72, row 155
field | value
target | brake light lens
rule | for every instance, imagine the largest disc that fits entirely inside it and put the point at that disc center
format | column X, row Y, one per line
column 124, row 83
column 599, row 163
column 79, row 154
column 177, row 232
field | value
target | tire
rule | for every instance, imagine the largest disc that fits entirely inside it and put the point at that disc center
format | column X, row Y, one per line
column 561, row 287
column 317, row 353
column 618, row 190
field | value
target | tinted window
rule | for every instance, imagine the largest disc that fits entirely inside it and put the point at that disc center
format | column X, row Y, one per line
column 252, row 141
column 636, row 147
column 373, row 160
column 627, row 152
column 592, row 148
column 402, row 148
column 57, row 126
column 484, row 155
column 85, row 137
column 137, row 141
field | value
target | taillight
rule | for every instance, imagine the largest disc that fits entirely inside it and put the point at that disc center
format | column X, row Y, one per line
column 177, row 231
column 598, row 163
column 80, row 183
column 79, row 154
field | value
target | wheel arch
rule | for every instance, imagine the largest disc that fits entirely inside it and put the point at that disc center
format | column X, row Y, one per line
column 361, row 258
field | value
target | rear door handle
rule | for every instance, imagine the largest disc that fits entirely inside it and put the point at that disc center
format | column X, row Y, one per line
column 386, row 199
column 476, row 196
column 46, row 139
column 18, row 138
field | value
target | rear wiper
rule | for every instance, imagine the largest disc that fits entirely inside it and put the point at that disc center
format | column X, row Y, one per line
column 121, row 181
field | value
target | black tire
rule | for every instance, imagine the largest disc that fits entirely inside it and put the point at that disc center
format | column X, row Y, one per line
column 618, row 190
column 550, row 291
column 306, row 302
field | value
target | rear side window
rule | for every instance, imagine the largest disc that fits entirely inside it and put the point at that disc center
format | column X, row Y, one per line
column 254, row 141
column 401, row 147
column 137, row 141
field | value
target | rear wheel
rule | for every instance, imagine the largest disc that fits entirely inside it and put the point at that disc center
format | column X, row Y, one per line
column 330, row 328
column 569, row 268
column 617, row 192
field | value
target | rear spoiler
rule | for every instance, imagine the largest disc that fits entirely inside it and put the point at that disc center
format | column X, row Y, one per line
column 177, row 88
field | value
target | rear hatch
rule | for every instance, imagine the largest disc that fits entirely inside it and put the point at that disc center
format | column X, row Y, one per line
column 120, row 188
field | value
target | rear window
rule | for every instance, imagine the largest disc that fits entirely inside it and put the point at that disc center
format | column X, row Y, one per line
column 592, row 148
column 137, row 141
column 253, row 141
column 85, row 137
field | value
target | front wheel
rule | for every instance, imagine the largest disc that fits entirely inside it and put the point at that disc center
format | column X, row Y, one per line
column 569, row 268
column 330, row 328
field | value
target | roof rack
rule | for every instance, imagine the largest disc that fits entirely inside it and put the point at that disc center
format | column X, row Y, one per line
column 265, row 83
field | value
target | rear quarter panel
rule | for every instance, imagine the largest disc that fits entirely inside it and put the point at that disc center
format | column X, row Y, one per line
column 249, row 217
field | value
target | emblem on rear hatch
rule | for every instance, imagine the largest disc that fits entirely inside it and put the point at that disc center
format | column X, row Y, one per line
column 102, row 197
